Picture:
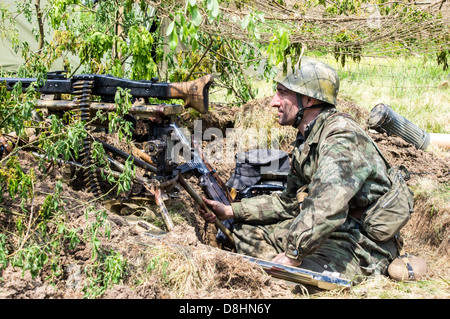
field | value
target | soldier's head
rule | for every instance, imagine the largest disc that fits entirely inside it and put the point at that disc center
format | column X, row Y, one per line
column 311, row 84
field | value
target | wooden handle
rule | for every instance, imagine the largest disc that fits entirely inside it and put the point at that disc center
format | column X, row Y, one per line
column 442, row 140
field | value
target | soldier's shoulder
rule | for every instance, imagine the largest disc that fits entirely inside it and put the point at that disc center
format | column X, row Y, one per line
column 342, row 122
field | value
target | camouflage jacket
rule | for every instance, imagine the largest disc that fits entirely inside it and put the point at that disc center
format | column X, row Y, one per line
column 341, row 169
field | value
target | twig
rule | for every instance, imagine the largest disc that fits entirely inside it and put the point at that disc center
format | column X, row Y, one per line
column 27, row 234
column 40, row 23
column 201, row 58
column 240, row 68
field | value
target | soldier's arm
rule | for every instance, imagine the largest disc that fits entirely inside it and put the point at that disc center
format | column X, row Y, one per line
column 267, row 209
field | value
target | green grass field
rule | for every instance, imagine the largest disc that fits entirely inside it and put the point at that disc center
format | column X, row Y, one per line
column 416, row 89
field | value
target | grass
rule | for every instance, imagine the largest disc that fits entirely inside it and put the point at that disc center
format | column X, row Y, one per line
column 429, row 187
column 416, row 89
column 384, row 288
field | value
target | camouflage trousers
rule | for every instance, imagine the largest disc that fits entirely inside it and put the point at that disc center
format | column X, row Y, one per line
column 347, row 251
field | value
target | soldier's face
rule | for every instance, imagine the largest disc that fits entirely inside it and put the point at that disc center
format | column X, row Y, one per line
column 286, row 102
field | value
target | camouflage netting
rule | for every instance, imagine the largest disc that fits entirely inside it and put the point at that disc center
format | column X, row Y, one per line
column 347, row 28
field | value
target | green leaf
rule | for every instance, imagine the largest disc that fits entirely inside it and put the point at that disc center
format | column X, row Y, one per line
column 192, row 31
column 196, row 17
column 245, row 22
column 215, row 8
column 173, row 40
column 261, row 17
column 284, row 41
column 209, row 5
column 194, row 44
column 170, row 28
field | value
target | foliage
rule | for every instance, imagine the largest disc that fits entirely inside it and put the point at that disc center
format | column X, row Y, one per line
column 108, row 266
column 42, row 233
column 174, row 40
column 39, row 233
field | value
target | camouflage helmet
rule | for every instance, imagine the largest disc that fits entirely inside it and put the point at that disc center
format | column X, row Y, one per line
column 311, row 78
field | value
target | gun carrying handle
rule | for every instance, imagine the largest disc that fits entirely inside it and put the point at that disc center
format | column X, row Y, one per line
column 194, row 93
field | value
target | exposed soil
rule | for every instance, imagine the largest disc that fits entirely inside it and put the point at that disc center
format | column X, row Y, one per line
column 212, row 272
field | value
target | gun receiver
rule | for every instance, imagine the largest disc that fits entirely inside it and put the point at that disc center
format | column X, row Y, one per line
column 194, row 93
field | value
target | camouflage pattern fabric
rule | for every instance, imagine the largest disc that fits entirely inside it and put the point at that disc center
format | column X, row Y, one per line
column 342, row 171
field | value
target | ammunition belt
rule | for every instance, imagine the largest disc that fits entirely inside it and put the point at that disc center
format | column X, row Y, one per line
column 83, row 91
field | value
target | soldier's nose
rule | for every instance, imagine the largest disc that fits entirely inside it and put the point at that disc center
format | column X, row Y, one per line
column 275, row 101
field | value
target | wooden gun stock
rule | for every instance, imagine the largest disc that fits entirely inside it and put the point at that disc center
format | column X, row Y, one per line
column 194, row 93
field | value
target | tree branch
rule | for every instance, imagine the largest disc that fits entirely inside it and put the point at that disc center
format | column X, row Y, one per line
column 37, row 4
column 201, row 58
column 241, row 69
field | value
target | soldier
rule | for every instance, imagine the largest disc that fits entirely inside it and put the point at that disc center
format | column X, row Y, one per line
column 336, row 173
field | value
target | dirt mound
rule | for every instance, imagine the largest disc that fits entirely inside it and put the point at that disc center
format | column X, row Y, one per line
column 190, row 268
column 184, row 264
column 419, row 163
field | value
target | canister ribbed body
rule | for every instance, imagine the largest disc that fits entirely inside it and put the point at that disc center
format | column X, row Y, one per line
column 386, row 120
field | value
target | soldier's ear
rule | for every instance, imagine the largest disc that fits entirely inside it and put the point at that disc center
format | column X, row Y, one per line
column 309, row 101
column 312, row 101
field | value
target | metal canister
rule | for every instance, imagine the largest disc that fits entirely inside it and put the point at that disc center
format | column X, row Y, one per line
column 385, row 120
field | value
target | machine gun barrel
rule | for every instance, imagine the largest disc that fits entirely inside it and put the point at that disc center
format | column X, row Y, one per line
column 194, row 93
column 142, row 110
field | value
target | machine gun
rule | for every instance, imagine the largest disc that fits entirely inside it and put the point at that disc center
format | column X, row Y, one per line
column 193, row 93
column 161, row 133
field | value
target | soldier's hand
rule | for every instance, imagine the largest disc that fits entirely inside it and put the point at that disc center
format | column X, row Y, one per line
column 220, row 211
column 285, row 260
